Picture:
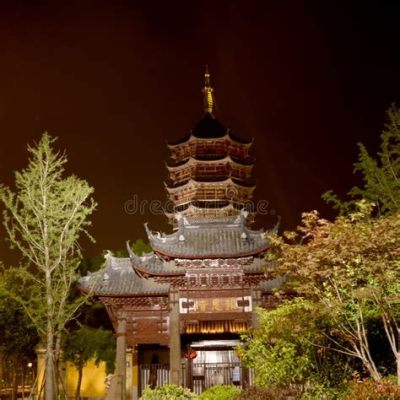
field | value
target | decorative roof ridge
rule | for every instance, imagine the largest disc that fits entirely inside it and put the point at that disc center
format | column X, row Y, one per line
column 199, row 183
column 214, row 255
column 159, row 236
column 184, row 222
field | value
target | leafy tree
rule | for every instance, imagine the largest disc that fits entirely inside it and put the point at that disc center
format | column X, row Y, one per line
column 44, row 218
column 381, row 178
column 351, row 266
column 88, row 343
column 140, row 247
column 290, row 347
column 18, row 340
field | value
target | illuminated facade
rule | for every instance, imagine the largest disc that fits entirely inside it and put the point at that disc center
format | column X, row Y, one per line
column 181, row 307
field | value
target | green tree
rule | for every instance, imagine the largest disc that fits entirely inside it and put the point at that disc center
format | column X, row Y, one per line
column 351, row 266
column 381, row 176
column 88, row 343
column 18, row 341
column 44, row 218
column 290, row 347
column 140, row 247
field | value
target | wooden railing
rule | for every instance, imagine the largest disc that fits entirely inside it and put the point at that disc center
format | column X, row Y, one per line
column 204, row 375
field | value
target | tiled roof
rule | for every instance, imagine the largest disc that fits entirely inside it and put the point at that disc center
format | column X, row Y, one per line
column 118, row 278
column 209, row 238
column 210, row 128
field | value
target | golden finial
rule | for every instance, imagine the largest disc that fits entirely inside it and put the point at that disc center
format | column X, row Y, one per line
column 208, row 93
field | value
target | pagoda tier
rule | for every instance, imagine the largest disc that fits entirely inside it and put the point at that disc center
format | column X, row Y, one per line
column 211, row 193
column 217, row 169
column 210, row 140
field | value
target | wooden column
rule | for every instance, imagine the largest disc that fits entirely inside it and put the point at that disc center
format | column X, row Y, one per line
column 189, row 370
column 135, row 373
column 174, row 340
column 129, row 373
column 117, row 390
column 120, row 365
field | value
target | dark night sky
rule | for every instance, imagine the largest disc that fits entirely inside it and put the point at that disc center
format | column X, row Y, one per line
column 114, row 80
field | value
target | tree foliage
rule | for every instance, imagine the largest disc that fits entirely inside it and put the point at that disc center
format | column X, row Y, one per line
column 381, row 176
column 290, row 347
column 168, row 392
column 88, row 343
column 220, row 392
column 18, row 339
column 352, row 267
column 44, row 217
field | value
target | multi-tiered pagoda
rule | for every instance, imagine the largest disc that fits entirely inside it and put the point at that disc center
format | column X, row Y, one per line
column 210, row 173
column 180, row 308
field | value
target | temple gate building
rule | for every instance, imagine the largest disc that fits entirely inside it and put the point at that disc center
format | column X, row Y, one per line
column 178, row 310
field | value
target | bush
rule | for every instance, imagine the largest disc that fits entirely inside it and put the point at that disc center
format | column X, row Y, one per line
column 321, row 392
column 275, row 393
column 371, row 390
column 221, row 392
column 168, row 392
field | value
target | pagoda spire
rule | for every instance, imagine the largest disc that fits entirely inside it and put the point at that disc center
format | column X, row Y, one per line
column 208, row 93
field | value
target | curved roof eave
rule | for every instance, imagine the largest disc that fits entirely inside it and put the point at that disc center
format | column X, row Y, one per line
column 191, row 160
column 198, row 183
column 227, row 136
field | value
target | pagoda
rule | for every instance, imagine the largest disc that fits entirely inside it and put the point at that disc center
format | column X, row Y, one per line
column 210, row 170
column 178, row 310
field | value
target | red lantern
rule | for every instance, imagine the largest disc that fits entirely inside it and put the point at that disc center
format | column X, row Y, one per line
column 190, row 354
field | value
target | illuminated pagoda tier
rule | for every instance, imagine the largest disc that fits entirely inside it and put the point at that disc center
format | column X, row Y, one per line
column 182, row 306
column 210, row 170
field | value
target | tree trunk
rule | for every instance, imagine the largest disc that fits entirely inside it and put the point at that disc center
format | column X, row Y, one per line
column 398, row 356
column 14, row 390
column 78, row 385
column 23, row 372
column 49, row 373
column 60, row 383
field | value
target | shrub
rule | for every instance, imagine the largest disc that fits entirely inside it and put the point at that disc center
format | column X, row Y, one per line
column 321, row 392
column 220, row 392
column 271, row 393
column 370, row 390
column 168, row 392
